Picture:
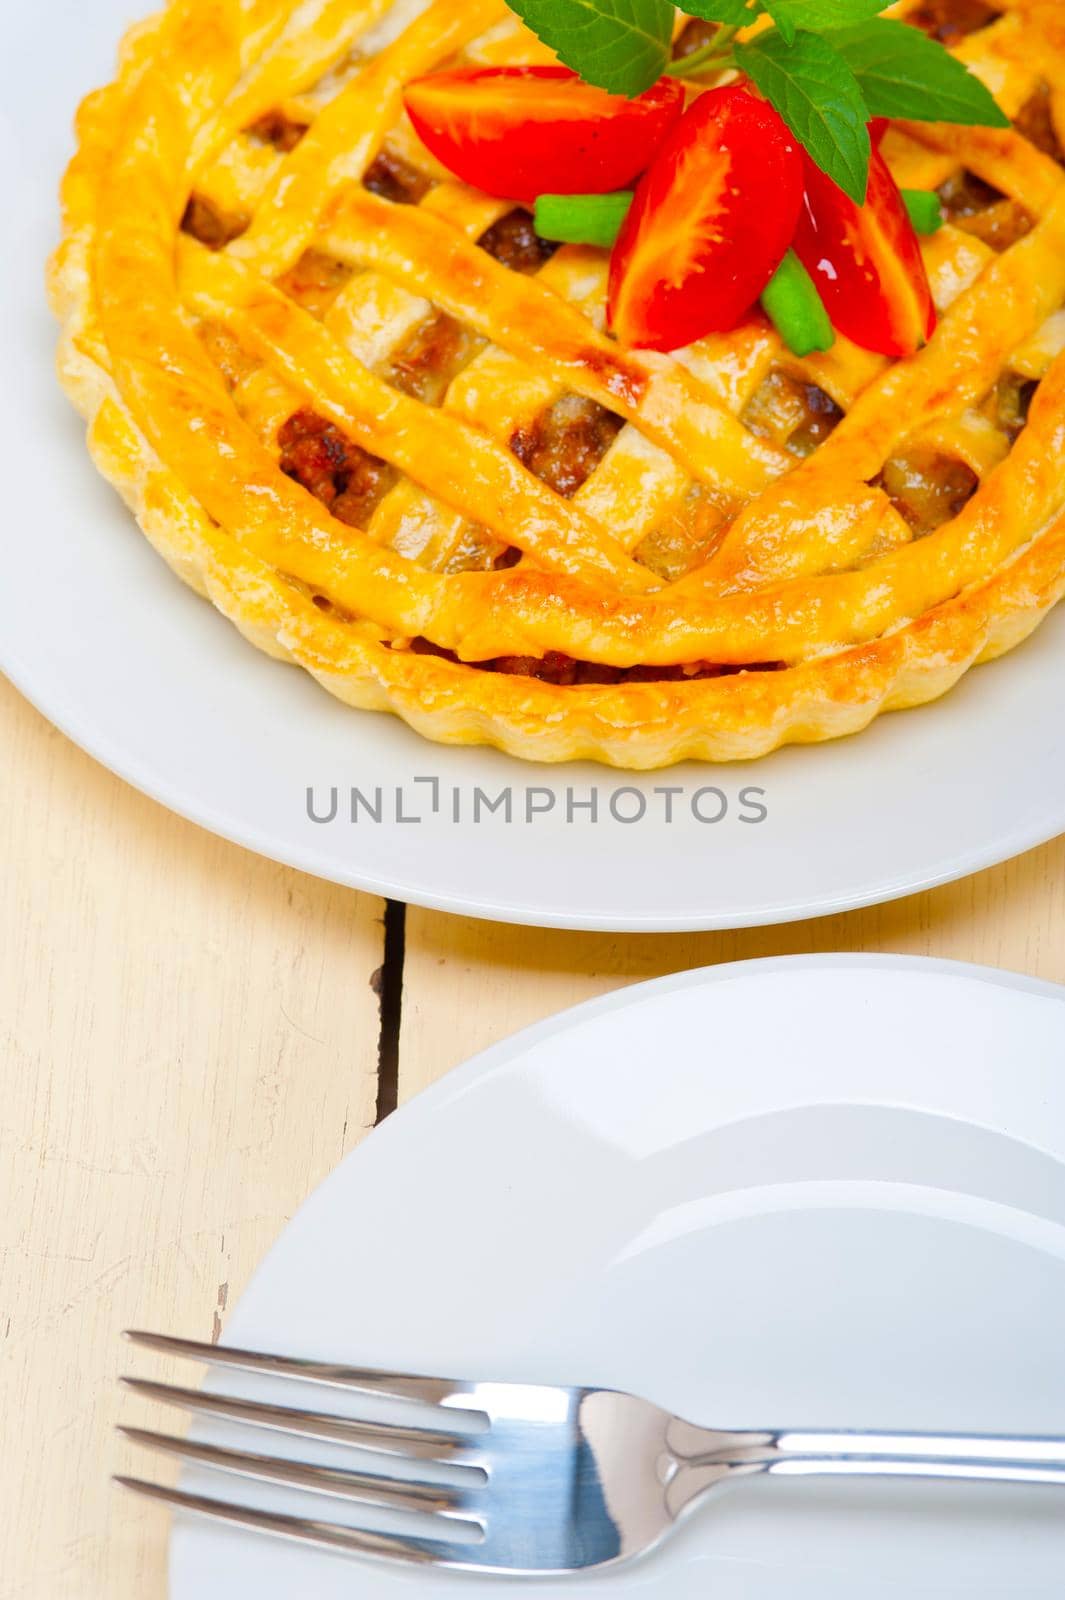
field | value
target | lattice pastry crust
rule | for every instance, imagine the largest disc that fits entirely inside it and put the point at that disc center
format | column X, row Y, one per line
column 369, row 415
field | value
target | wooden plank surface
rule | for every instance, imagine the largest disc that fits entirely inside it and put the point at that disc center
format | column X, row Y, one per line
column 468, row 984
column 191, row 1039
column 190, row 1044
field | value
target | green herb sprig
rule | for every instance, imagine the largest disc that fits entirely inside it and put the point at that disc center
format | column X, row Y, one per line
column 828, row 66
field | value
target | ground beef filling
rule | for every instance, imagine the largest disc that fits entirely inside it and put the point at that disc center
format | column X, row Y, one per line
column 1035, row 121
column 565, row 673
column 394, row 178
column 821, row 417
column 978, row 208
column 433, row 358
column 215, row 228
column 927, row 488
column 315, row 281
column 514, row 241
column 950, row 21
column 283, row 132
column 1010, row 402
column 348, row 480
column 794, row 415
column 695, row 35
column 688, row 537
column 566, row 443
column 478, row 550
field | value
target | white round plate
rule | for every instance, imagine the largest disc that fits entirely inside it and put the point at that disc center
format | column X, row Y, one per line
column 146, row 677
column 816, row 1192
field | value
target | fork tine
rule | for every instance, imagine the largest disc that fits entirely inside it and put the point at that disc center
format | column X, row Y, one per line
column 364, row 1380
column 303, row 1530
column 359, row 1488
column 381, row 1439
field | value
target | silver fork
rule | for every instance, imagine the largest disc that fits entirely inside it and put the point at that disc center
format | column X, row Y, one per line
column 547, row 1481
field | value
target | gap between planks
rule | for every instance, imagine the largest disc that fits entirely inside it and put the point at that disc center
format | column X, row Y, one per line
column 389, row 986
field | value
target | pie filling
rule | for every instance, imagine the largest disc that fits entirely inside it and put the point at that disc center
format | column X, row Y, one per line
column 514, row 241
column 927, row 488
column 792, row 413
column 1036, row 122
column 977, row 208
column 211, row 226
column 951, row 21
column 432, row 358
column 392, row 177
column 695, row 35
column 345, row 478
column 315, row 281
column 563, row 671
column 1010, row 403
column 279, row 130
column 566, row 443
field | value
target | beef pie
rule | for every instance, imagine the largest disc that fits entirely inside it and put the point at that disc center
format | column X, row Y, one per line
column 384, row 427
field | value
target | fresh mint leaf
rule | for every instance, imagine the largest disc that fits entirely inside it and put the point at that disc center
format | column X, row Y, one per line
column 903, row 73
column 820, row 16
column 784, row 20
column 817, row 94
column 620, row 45
column 731, row 12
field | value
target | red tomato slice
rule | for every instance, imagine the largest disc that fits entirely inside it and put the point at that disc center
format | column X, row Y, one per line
column 867, row 262
column 710, row 223
column 526, row 131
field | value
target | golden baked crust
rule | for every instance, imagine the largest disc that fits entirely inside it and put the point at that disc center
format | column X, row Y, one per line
column 528, row 494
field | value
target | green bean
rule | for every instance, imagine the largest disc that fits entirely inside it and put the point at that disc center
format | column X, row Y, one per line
column 582, row 218
column 926, row 211
column 794, row 307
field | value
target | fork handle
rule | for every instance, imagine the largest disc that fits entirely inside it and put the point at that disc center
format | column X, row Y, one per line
column 985, row 1450
column 947, row 1457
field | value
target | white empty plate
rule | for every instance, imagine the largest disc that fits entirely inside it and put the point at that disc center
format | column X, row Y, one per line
column 818, row 1192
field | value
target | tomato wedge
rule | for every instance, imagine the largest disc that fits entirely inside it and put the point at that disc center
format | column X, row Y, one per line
column 522, row 132
column 710, row 223
column 866, row 262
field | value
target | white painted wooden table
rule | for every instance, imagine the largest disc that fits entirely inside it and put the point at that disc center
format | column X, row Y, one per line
column 191, row 1040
